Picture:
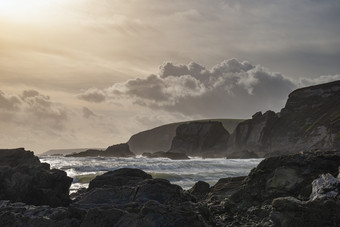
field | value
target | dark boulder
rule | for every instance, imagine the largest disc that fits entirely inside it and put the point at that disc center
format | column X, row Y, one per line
column 132, row 198
column 225, row 187
column 119, row 177
column 200, row 190
column 290, row 212
column 24, row 179
column 159, row 190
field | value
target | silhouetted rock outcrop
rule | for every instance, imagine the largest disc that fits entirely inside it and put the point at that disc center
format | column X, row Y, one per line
column 170, row 155
column 205, row 139
column 24, row 179
column 120, row 151
column 310, row 120
column 160, row 138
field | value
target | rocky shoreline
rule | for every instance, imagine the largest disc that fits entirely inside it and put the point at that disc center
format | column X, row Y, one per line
column 291, row 190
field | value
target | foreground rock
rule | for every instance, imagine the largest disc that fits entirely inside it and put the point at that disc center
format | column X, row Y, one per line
column 124, row 197
column 205, row 139
column 170, row 155
column 24, row 179
column 293, row 190
column 119, row 151
column 280, row 191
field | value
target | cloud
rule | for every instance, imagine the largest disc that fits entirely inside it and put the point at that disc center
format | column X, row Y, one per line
column 231, row 88
column 93, row 95
column 31, row 107
column 41, row 107
column 9, row 102
column 87, row 113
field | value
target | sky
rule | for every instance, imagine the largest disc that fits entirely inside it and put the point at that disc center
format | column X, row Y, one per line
column 91, row 73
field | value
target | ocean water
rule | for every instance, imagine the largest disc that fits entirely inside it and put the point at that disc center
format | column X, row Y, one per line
column 184, row 173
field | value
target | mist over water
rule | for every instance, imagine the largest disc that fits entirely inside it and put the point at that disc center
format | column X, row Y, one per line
column 181, row 172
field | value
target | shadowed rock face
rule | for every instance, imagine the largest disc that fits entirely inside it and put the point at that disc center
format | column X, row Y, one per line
column 290, row 175
column 24, row 179
column 310, row 120
column 205, row 139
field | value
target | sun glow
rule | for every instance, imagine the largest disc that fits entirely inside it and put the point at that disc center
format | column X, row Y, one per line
column 22, row 10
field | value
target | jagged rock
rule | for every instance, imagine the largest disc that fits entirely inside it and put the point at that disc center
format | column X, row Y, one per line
column 205, row 139
column 248, row 202
column 326, row 186
column 170, row 155
column 290, row 175
column 289, row 211
column 200, row 190
column 120, row 151
column 225, row 187
column 310, row 120
column 119, row 177
column 24, row 179
column 251, row 136
column 155, row 214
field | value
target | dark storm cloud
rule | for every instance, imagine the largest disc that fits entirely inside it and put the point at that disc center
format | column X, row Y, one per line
column 231, row 88
column 93, row 95
column 87, row 113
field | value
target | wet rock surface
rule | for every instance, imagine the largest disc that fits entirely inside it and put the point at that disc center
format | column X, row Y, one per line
column 24, row 179
column 291, row 190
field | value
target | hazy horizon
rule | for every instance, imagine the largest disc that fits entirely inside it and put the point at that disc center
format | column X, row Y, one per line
column 85, row 73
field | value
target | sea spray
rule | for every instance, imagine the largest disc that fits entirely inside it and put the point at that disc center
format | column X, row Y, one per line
column 182, row 172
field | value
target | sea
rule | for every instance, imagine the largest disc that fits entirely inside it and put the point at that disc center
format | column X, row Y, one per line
column 184, row 173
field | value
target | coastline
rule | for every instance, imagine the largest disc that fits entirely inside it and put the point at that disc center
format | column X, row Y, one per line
column 280, row 191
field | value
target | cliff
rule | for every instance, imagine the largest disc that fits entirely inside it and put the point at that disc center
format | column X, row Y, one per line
column 310, row 120
column 61, row 152
column 120, row 150
column 160, row 138
column 205, row 139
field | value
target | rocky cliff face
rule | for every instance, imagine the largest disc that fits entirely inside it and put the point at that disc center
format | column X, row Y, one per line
column 160, row 138
column 205, row 139
column 310, row 120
